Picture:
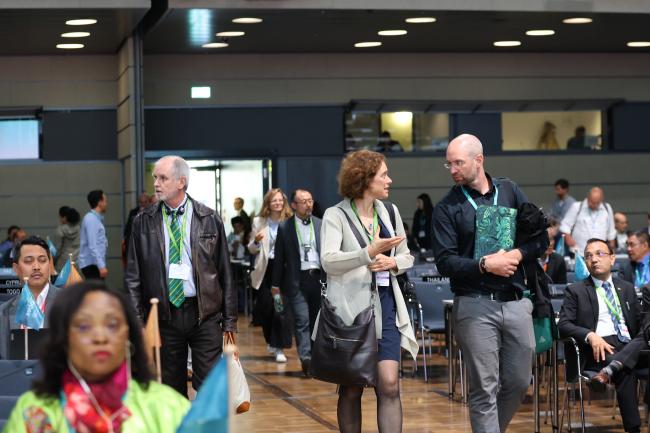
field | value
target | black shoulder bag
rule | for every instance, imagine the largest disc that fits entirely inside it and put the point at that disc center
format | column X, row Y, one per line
column 342, row 354
column 405, row 285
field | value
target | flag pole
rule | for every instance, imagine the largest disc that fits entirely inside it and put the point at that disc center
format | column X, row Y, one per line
column 26, row 279
column 154, row 305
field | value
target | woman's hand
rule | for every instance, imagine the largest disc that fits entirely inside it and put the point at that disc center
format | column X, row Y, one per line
column 380, row 245
column 382, row 263
column 259, row 237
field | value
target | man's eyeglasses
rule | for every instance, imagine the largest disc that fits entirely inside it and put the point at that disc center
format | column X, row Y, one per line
column 599, row 254
column 458, row 164
column 306, row 201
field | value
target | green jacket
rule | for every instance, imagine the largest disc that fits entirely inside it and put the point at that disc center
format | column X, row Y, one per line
column 158, row 409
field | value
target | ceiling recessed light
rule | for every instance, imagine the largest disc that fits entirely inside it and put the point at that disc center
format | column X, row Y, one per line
column 75, row 35
column 215, row 45
column 367, row 44
column 81, row 22
column 540, row 32
column 577, row 20
column 247, row 20
column 69, row 46
column 230, row 34
column 421, row 20
column 391, row 32
column 507, row 43
column 638, row 44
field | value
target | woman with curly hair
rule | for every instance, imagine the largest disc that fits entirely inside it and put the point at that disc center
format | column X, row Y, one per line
column 364, row 183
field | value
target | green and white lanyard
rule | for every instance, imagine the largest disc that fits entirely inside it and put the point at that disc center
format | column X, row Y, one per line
column 375, row 221
column 614, row 309
column 177, row 242
column 473, row 203
column 306, row 247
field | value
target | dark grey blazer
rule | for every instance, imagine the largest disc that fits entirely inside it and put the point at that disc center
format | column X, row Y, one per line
column 8, row 318
column 286, row 267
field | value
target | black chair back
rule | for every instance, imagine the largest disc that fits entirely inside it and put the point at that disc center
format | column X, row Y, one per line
column 16, row 376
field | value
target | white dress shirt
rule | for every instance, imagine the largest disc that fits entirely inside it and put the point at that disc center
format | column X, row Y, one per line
column 189, row 289
column 587, row 224
column 605, row 326
column 308, row 236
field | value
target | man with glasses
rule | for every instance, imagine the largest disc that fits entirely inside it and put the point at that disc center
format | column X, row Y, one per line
column 296, row 270
column 473, row 229
column 602, row 313
column 590, row 218
column 637, row 271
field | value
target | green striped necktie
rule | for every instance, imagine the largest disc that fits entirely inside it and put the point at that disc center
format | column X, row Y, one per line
column 176, row 295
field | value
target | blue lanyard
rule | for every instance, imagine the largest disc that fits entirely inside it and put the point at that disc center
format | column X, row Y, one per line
column 473, row 203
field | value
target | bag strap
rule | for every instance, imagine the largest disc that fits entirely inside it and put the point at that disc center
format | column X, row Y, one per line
column 362, row 244
column 577, row 216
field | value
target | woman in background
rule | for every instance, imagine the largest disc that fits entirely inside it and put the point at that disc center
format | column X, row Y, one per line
column 422, row 221
column 69, row 233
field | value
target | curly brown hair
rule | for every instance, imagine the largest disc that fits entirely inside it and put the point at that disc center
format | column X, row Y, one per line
column 357, row 170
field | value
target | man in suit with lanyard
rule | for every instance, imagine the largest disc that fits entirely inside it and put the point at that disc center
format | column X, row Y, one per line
column 491, row 318
column 602, row 314
column 297, row 270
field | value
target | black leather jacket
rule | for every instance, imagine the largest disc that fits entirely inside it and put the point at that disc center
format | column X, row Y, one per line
column 146, row 276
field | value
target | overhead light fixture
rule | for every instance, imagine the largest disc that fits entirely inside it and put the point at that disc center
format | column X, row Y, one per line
column 81, row 22
column 638, row 44
column 69, row 46
column 577, row 20
column 75, row 35
column 391, row 32
column 215, row 45
column 367, row 44
column 507, row 43
column 540, row 32
column 247, row 20
column 421, row 20
column 230, row 34
column 201, row 92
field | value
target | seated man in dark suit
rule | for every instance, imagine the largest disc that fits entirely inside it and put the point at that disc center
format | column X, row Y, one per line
column 637, row 270
column 32, row 260
column 603, row 315
column 553, row 264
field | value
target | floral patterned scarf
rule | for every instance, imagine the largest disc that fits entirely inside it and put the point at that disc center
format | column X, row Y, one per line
column 81, row 413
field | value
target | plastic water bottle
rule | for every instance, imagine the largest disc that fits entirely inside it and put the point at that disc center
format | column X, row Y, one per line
column 277, row 303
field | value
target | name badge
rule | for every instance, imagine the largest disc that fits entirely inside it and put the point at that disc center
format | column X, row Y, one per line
column 312, row 256
column 383, row 278
column 179, row 271
column 421, row 234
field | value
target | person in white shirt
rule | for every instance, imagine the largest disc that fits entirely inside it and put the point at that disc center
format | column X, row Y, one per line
column 32, row 262
column 590, row 218
column 620, row 224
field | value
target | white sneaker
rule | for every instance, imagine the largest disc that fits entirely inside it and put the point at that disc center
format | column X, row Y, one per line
column 270, row 349
column 279, row 357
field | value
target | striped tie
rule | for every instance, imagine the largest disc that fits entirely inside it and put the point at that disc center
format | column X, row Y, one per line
column 609, row 293
column 176, row 295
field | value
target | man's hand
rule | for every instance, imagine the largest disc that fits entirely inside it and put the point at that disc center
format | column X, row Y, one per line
column 569, row 241
column 378, row 246
column 229, row 339
column 259, row 237
column 103, row 272
column 599, row 346
column 503, row 264
column 382, row 263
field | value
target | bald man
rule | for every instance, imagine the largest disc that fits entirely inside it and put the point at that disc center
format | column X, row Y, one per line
column 590, row 218
column 492, row 321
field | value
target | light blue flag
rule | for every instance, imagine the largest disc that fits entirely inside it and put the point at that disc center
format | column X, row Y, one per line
column 581, row 270
column 210, row 410
column 28, row 313
column 62, row 278
column 559, row 247
column 51, row 246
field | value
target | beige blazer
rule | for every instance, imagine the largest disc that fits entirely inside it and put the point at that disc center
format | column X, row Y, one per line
column 348, row 276
column 261, row 252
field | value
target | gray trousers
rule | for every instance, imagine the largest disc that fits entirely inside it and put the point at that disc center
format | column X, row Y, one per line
column 498, row 345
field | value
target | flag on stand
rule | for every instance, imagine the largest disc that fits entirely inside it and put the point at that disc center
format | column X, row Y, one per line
column 51, row 246
column 74, row 277
column 210, row 411
column 152, row 337
column 581, row 270
column 28, row 314
column 62, row 279
column 560, row 247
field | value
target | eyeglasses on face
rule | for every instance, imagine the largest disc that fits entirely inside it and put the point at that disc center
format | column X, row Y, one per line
column 306, row 201
column 459, row 163
column 599, row 254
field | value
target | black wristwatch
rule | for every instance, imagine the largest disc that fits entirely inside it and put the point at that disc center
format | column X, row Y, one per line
column 481, row 265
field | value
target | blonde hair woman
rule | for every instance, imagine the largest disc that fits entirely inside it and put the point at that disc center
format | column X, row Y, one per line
column 275, row 209
column 364, row 183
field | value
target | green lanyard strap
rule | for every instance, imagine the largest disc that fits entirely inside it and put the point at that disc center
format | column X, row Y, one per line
column 375, row 221
column 311, row 232
column 178, row 242
column 615, row 309
column 473, row 203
